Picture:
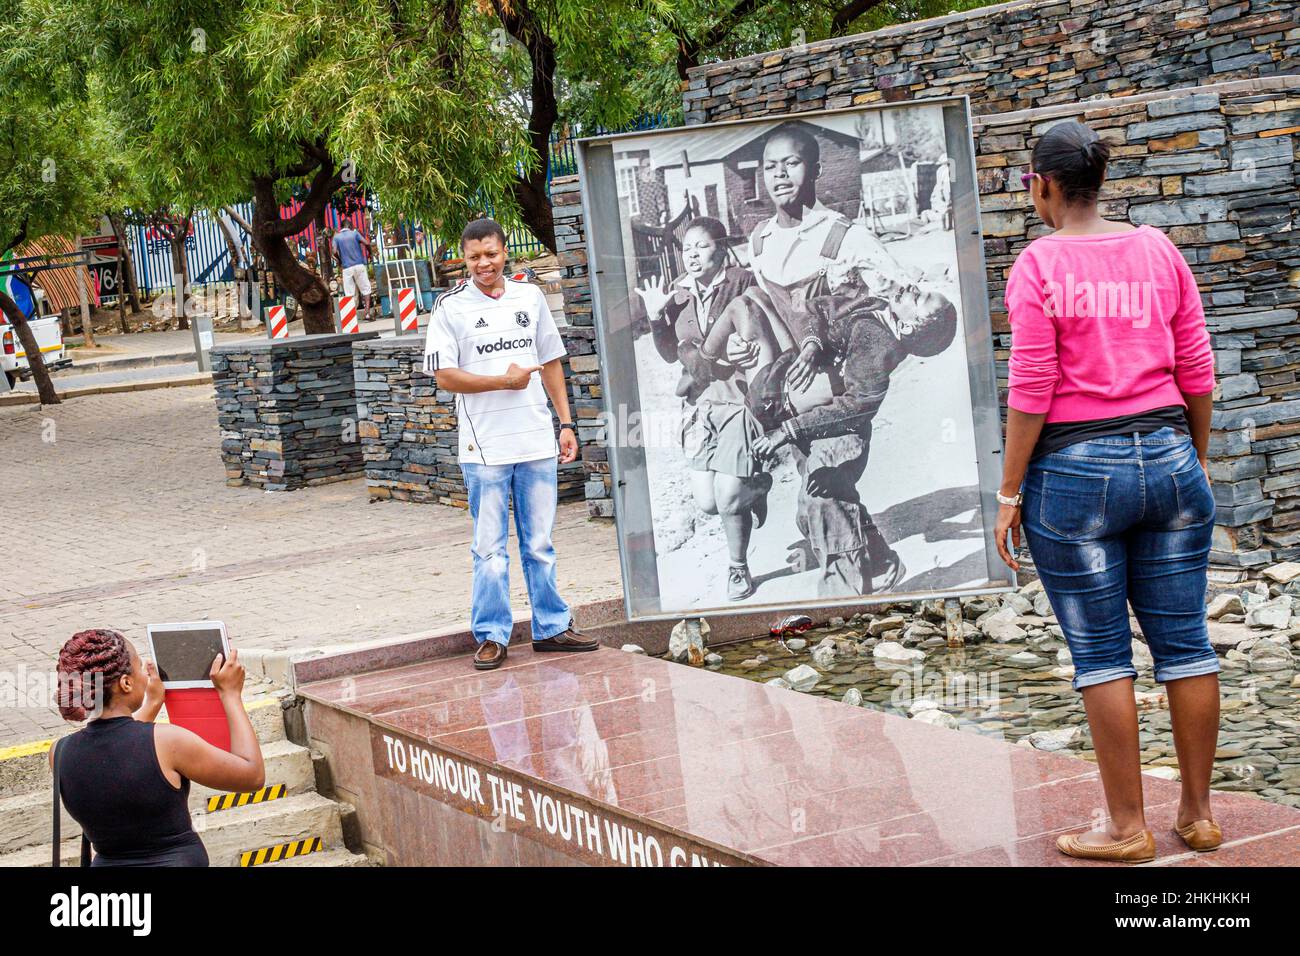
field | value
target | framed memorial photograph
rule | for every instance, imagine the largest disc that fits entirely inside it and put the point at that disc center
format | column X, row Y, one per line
column 800, row 397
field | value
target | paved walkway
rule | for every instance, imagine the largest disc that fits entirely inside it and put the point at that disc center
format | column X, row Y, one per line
column 117, row 514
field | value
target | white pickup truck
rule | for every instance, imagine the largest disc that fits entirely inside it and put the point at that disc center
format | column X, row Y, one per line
column 49, row 336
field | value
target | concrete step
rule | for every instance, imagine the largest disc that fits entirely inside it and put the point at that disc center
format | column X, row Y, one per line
column 341, row 857
column 286, row 763
column 228, row 834
column 25, row 817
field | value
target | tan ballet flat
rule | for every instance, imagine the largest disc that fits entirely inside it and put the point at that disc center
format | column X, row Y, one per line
column 1139, row 848
column 1201, row 835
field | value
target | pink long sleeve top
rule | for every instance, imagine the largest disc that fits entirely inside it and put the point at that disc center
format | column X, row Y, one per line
column 1104, row 326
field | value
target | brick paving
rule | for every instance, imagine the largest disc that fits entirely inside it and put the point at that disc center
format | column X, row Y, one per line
column 137, row 526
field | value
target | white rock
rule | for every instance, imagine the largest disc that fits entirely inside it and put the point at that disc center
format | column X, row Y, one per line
column 1053, row 739
column 1224, row 636
column 1018, row 603
column 823, row 655
column 1275, row 613
column 1024, row 659
column 1267, row 656
column 1225, row 604
column 1008, row 614
column 1283, row 573
column 1063, row 656
column 774, row 682
column 634, row 648
column 793, row 643
column 1042, row 606
column 689, row 641
column 852, row 697
column 802, row 677
column 1164, row 773
column 936, row 717
column 920, row 704
column 1141, row 655
column 893, row 651
column 1062, row 672
column 882, row 624
column 713, row 660
column 1032, row 589
column 1005, row 632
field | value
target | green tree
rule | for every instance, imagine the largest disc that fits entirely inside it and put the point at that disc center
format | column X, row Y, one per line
column 52, row 178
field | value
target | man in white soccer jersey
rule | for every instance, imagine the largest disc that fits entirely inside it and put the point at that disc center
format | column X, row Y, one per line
column 493, row 342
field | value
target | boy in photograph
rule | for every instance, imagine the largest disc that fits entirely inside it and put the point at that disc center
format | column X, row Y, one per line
column 492, row 341
column 860, row 341
column 805, row 251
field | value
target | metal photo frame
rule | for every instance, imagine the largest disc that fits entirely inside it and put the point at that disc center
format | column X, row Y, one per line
column 613, row 316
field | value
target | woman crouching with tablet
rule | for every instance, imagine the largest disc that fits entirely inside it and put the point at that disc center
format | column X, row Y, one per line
column 126, row 779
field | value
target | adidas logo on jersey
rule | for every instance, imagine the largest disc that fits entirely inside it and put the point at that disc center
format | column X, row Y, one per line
column 481, row 324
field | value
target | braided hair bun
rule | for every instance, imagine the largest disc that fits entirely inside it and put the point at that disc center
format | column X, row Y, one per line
column 88, row 665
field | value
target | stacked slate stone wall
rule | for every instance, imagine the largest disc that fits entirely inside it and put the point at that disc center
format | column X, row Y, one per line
column 584, row 380
column 287, row 411
column 408, row 430
column 1215, row 168
column 1012, row 56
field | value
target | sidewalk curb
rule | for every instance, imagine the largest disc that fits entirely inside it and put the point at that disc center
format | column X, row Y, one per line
column 130, row 361
column 31, row 398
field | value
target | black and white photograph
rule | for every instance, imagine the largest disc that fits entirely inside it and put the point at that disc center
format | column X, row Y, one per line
column 802, row 387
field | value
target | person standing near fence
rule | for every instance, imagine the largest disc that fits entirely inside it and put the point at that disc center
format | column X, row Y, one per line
column 1110, row 394
column 348, row 246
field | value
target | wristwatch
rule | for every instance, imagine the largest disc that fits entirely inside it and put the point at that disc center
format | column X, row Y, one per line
column 568, row 425
column 1014, row 501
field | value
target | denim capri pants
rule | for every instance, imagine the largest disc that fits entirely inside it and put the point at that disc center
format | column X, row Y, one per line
column 1124, row 520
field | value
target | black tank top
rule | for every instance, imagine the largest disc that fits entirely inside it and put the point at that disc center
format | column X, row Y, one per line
column 114, row 787
column 1058, row 435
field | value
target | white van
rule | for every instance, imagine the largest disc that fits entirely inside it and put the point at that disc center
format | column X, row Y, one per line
column 49, row 336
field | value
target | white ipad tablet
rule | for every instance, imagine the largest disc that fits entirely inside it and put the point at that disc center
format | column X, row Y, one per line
column 184, row 652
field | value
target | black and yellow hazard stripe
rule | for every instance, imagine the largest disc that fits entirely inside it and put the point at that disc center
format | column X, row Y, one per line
column 224, row 801
column 281, row 851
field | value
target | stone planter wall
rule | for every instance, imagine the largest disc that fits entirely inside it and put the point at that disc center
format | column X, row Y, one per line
column 407, row 427
column 287, row 411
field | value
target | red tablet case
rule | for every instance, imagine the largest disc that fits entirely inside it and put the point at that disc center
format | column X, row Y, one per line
column 199, row 709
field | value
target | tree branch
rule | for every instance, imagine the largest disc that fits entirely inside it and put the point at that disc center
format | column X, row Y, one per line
column 239, row 220
column 850, row 12
column 689, row 49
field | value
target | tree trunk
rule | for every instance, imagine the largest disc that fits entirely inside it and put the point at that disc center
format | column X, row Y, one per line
column 121, row 293
column 180, row 277
column 535, row 206
column 35, row 360
column 128, row 264
column 324, row 260
column 290, row 275
column 271, row 235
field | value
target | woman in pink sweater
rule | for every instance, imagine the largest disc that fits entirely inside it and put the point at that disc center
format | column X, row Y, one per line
column 1105, row 469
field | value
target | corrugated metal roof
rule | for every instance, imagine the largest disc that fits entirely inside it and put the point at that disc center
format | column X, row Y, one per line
column 59, row 285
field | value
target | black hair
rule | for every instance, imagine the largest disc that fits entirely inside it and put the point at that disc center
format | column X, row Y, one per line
column 480, row 229
column 1074, row 158
column 935, row 329
column 806, row 144
column 713, row 228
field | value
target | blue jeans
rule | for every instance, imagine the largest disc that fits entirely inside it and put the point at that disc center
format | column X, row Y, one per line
column 1121, row 519
column 531, row 485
